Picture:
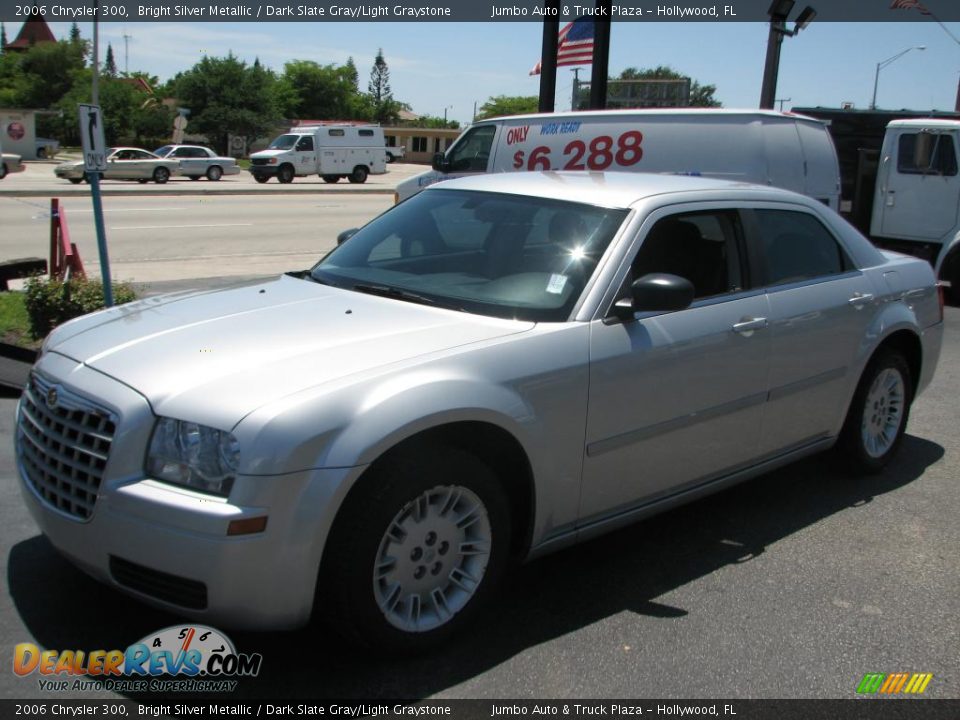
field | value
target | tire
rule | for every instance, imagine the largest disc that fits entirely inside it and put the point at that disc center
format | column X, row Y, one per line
column 390, row 158
column 194, row 177
column 878, row 414
column 75, row 181
column 359, row 175
column 951, row 273
column 428, row 496
column 214, row 173
column 261, row 178
column 143, row 182
column 285, row 174
column 330, row 178
column 161, row 175
column 3, row 170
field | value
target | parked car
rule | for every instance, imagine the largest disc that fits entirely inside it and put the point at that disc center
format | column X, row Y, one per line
column 395, row 153
column 197, row 161
column 10, row 163
column 47, row 148
column 489, row 371
column 124, row 163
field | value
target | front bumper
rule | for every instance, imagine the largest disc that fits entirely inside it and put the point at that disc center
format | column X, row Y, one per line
column 264, row 170
column 169, row 546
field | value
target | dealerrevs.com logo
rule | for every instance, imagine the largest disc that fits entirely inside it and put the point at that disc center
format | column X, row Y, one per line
column 191, row 658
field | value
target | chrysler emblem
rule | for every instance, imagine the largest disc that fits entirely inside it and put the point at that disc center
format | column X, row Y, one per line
column 52, row 398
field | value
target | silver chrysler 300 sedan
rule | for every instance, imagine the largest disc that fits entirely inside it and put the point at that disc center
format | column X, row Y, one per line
column 493, row 369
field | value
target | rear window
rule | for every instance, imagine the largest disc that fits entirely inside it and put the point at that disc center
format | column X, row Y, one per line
column 797, row 247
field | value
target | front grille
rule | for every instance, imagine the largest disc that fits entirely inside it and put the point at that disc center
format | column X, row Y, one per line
column 64, row 443
column 173, row 589
column 259, row 161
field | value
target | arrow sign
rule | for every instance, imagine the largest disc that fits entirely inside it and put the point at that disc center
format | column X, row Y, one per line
column 91, row 136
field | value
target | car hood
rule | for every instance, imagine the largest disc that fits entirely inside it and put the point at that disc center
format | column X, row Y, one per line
column 70, row 165
column 270, row 153
column 214, row 357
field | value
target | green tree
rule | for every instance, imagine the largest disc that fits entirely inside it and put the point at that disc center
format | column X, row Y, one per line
column 109, row 64
column 508, row 105
column 317, row 92
column 39, row 77
column 353, row 73
column 75, row 33
column 228, row 97
column 3, row 37
column 385, row 109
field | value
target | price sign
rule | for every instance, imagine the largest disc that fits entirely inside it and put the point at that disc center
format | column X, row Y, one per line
column 91, row 136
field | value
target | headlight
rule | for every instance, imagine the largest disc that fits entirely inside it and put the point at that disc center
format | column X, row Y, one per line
column 192, row 455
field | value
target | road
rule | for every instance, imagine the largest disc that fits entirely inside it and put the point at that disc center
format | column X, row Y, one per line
column 793, row 585
column 161, row 237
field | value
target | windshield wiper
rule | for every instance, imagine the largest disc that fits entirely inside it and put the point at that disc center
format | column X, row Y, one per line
column 392, row 292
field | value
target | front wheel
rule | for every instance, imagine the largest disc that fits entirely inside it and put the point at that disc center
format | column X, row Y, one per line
column 359, row 175
column 417, row 549
column 161, row 175
column 75, row 181
column 878, row 414
column 3, row 170
column 261, row 178
column 285, row 174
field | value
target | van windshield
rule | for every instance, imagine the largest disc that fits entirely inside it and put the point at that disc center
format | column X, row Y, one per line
column 472, row 151
column 284, row 142
column 510, row 256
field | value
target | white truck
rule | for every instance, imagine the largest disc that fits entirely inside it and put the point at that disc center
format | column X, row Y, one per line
column 916, row 206
column 331, row 151
column 758, row 146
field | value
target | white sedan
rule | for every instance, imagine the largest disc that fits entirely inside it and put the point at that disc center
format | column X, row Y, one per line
column 124, row 163
column 9, row 163
column 197, row 161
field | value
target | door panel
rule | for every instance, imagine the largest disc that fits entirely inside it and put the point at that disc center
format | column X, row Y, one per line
column 674, row 399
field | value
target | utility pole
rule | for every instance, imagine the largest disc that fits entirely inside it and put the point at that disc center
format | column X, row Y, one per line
column 126, row 53
column 576, row 88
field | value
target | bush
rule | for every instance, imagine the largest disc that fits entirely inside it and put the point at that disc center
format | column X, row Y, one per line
column 52, row 302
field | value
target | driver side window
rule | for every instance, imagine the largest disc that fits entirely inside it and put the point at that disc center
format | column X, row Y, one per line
column 472, row 153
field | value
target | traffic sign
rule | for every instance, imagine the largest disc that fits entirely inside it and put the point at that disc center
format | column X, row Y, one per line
column 91, row 136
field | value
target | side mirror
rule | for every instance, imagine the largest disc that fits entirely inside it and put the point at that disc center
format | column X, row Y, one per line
column 346, row 235
column 440, row 163
column 655, row 292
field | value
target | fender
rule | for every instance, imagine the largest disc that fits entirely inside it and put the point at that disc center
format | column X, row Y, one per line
column 948, row 247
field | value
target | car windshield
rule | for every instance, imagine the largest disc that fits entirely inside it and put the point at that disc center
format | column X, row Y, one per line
column 162, row 152
column 284, row 142
column 508, row 256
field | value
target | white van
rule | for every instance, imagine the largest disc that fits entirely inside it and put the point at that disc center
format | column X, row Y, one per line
column 331, row 151
column 758, row 146
column 916, row 206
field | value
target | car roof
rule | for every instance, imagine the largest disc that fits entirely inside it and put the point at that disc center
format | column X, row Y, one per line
column 613, row 189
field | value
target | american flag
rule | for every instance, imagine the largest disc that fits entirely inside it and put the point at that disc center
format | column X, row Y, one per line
column 909, row 5
column 574, row 44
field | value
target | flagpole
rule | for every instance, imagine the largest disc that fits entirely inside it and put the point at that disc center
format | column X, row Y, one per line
column 601, row 55
column 548, row 55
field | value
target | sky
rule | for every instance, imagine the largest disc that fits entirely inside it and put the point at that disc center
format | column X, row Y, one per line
column 453, row 67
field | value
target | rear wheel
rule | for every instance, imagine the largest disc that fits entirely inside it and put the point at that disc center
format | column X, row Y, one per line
column 3, row 170
column 878, row 413
column 951, row 273
column 75, row 181
column 417, row 549
column 161, row 175
column 214, row 173
column 330, row 178
column 261, row 178
column 194, row 177
column 359, row 175
column 285, row 174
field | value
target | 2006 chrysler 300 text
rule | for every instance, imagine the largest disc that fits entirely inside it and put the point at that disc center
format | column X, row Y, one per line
column 492, row 369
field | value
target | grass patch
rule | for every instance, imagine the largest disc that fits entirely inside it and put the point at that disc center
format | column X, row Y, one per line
column 15, row 322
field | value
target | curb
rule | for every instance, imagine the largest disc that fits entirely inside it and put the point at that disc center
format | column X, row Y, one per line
column 84, row 192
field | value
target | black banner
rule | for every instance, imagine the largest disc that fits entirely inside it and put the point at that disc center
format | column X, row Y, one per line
column 462, row 10
column 858, row 709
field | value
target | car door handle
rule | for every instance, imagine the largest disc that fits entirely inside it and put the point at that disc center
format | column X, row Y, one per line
column 748, row 325
column 861, row 299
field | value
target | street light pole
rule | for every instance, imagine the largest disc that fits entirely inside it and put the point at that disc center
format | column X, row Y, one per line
column 882, row 64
